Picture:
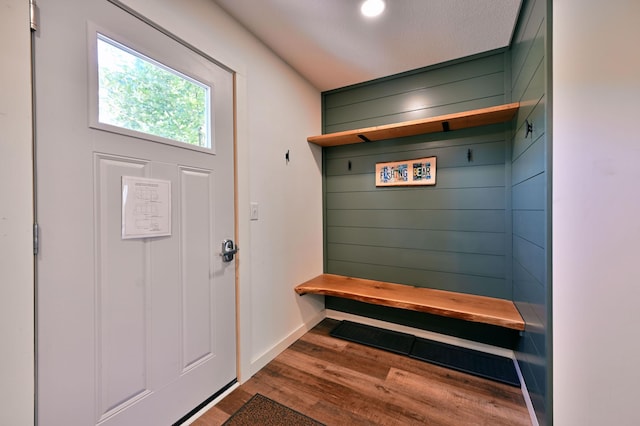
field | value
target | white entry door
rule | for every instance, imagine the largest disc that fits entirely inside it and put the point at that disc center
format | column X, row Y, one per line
column 130, row 331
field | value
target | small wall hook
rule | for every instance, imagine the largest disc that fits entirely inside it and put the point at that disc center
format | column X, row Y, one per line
column 469, row 155
column 529, row 128
column 286, row 156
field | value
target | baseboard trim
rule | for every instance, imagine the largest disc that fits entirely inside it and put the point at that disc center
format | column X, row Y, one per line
column 261, row 360
column 457, row 341
column 525, row 394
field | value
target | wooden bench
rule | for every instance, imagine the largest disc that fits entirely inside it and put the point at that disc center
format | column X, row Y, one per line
column 488, row 310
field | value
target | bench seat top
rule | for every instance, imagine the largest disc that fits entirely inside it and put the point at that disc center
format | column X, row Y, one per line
column 488, row 310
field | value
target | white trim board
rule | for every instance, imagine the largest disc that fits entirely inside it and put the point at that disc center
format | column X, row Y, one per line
column 443, row 338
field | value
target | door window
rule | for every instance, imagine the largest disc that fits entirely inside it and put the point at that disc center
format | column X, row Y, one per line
column 139, row 94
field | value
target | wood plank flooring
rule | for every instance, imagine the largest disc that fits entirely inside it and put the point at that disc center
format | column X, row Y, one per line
column 341, row 383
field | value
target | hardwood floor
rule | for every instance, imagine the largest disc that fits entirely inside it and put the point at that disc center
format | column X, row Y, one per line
column 341, row 383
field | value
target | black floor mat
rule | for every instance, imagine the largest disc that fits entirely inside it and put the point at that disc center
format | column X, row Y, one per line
column 392, row 341
column 478, row 363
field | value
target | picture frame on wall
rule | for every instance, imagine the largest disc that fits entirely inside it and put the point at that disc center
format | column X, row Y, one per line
column 416, row 172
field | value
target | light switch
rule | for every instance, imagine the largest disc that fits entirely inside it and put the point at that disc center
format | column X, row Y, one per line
column 253, row 212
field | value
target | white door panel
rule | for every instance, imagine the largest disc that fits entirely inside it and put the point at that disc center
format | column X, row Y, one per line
column 122, row 285
column 130, row 331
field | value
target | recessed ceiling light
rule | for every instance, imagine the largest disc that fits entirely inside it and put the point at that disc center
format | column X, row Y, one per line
column 372, row 8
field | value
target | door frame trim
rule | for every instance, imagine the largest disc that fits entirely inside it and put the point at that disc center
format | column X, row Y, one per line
column 17, row 293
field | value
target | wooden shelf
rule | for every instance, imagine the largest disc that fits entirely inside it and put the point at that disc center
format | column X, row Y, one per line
column 487, row 310
column 457, row 121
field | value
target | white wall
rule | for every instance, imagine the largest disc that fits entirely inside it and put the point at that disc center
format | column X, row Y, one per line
column 16, row 219
column 596, row 212
column 277, row 110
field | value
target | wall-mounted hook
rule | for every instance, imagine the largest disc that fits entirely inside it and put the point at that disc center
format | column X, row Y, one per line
column 529, row 128
column 349, row 165
column 286, row 156
column 469, row 155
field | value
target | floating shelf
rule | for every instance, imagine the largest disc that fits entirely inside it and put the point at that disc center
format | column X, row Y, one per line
column 442, row 123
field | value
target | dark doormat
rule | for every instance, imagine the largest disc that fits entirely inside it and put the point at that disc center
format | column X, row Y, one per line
column 478, row 363
column 380, row 338
column 260, row 410
column 470, row 361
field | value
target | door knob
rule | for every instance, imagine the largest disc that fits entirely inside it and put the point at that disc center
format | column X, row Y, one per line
column 228, row 250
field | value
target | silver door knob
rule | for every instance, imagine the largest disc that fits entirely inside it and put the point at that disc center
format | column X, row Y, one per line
column 228, row 250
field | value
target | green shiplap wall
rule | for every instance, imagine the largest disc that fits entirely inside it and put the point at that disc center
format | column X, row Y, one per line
column 530, row 185
column 444, row 89
column 455, row 235
column 450, row 236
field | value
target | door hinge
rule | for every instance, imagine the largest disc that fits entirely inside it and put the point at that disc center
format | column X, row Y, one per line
column 36, row 238
column 33, row 15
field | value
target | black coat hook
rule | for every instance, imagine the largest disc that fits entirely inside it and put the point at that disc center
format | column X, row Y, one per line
column 286, row 156
column 469, row 155
column 529, row 128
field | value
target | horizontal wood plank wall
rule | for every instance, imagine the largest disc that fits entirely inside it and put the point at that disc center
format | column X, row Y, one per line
column 450, row 236
column 529, row 193
column 436, row 91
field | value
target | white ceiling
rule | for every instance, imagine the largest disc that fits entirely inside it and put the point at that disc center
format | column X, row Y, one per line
column 333, row 46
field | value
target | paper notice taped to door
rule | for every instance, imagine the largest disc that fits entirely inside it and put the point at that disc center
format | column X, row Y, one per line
column 146, row 207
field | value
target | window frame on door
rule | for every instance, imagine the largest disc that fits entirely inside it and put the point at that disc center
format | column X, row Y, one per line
column 158, row 58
